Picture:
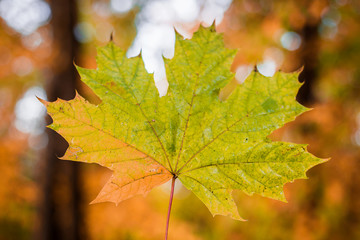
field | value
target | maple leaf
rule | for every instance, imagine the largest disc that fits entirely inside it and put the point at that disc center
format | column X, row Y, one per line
column 211, row 146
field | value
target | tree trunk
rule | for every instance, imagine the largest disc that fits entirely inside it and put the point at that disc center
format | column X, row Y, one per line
column 309, row 55
column 61, row 215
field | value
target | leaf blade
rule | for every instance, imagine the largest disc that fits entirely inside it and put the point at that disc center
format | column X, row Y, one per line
column 212, row 146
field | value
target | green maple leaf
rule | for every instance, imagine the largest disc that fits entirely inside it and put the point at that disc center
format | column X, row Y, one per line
column 211, row 146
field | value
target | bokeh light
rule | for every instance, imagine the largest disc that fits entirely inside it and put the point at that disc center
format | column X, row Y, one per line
column 22, row 66
column 291, row 41
column 84, row 32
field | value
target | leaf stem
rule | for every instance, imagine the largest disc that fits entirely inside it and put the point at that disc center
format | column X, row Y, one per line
column 170, row 203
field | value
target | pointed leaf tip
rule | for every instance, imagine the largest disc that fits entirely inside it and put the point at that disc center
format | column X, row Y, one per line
column 300, row 69
column 44, row 102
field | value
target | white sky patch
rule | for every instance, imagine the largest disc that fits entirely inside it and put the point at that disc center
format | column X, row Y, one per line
column 267, row 67
column 186, row 10
column 213, row 10
column 30, row 112
column 121, row 6
column 25, row 16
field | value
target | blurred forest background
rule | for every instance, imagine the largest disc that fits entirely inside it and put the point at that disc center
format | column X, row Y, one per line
column 42, row 197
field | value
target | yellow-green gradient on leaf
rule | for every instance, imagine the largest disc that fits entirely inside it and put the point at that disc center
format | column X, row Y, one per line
column 211, row 146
